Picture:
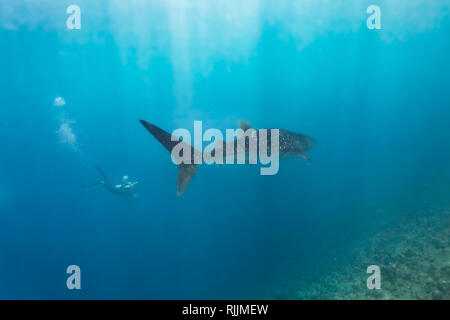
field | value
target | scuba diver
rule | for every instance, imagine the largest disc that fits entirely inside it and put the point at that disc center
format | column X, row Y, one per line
column 125, row 189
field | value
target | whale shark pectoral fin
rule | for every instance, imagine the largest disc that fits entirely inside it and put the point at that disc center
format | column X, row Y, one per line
column 306, row 157
column 185, row 174
column 244, row 125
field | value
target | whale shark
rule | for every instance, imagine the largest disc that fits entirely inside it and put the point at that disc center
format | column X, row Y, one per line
column 290, row 144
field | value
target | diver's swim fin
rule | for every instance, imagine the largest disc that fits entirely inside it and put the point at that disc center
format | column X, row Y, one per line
column 101, row 173
column 186, row 171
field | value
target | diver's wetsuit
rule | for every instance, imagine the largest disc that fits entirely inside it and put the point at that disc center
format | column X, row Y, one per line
column 124, row 190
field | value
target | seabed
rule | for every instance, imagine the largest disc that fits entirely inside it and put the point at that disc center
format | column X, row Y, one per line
column 413, row 255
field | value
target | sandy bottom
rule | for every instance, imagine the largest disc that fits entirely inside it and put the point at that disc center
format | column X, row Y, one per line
column 413, row 255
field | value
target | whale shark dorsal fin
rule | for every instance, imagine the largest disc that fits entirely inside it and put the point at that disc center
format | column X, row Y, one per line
column 244, row 125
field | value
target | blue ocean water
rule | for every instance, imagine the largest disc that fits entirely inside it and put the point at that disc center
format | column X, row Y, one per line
column 377, row 102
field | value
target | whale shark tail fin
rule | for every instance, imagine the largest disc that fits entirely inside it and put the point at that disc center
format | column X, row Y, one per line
column 185, row 171
column 166, row 139
column 185, row 174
